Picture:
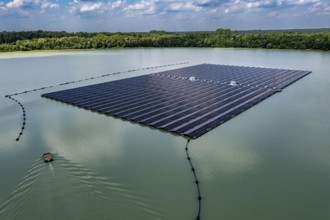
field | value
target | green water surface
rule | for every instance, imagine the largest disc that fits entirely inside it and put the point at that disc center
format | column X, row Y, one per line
column 271, row 162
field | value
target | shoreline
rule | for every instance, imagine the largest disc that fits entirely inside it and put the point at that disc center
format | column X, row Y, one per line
column 68, row 51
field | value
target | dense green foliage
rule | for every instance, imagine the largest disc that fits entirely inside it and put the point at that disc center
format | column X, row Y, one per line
column 45, row 40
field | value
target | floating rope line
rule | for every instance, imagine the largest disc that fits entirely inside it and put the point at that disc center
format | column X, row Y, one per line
column 95, row 77
column 199, row 198
column 23, row 114
column 10, row 96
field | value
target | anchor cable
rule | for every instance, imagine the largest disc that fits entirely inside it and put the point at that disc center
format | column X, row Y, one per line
column 23, row 115
column 199, row 198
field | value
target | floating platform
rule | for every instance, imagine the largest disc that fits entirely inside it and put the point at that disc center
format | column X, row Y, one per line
column 188, row 101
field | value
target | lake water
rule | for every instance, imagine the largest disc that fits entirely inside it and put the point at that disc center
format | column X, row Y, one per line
column 270, row 162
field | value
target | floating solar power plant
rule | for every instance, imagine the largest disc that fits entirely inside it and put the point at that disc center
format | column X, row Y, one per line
column 189, row 101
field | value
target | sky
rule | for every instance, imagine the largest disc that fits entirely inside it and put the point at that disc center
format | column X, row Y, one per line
column 171, row 15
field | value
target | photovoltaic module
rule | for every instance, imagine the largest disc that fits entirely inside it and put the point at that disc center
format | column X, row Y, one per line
column 188, row 101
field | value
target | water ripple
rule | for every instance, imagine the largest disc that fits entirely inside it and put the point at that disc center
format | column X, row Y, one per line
column 12, row 207
column 66, row 182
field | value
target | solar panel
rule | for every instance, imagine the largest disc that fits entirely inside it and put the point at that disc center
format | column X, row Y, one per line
column 188, row 101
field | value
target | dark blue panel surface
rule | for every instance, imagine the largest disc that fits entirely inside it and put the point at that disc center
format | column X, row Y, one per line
column 189, row 101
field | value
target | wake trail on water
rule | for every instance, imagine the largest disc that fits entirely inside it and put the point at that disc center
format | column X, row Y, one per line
column 40, row 183
column 12, row 207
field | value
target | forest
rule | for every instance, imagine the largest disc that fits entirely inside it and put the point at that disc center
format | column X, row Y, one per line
column 221, row 38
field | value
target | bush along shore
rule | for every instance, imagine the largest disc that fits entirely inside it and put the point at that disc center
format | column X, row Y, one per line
column 222, row 38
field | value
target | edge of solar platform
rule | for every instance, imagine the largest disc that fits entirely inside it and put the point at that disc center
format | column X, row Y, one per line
column 198, row 129
column 192, row 136
column 119, row 117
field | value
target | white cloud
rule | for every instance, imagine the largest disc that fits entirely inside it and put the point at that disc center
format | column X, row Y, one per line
column 233, row 6
column 259, row 4
column 117, row 4
column 209, row 3
column 2, row 8
column 142, row 8
column 28, row 4
column 89, row 6
column 49, row 5
column 301, row 2
column 177, row 14
column 320, row 8
column 270, row 6
column 138, row 6
column 183, row 7
column 28, row 7
column 92, row 7
column 21, row 4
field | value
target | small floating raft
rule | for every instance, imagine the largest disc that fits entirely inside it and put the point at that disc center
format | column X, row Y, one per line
column 47, row 157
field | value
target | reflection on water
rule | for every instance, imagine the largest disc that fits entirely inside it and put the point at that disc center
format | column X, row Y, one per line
column 230, row 158
column 82, row 190
column 270, row 162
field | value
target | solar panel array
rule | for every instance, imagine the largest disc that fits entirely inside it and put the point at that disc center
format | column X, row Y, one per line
column 189, row 101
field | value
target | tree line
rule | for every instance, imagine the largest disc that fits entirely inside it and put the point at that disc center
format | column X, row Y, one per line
column 224, row 38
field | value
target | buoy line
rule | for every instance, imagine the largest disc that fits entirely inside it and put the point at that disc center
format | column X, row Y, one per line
column 23, row 116
column 10, row 96
column 199, row 198
column 94, row 77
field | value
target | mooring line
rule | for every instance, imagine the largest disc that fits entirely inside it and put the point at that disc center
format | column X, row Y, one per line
column 23, row 116
column 94, row 77
column 10, row 96
column 199, row 198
